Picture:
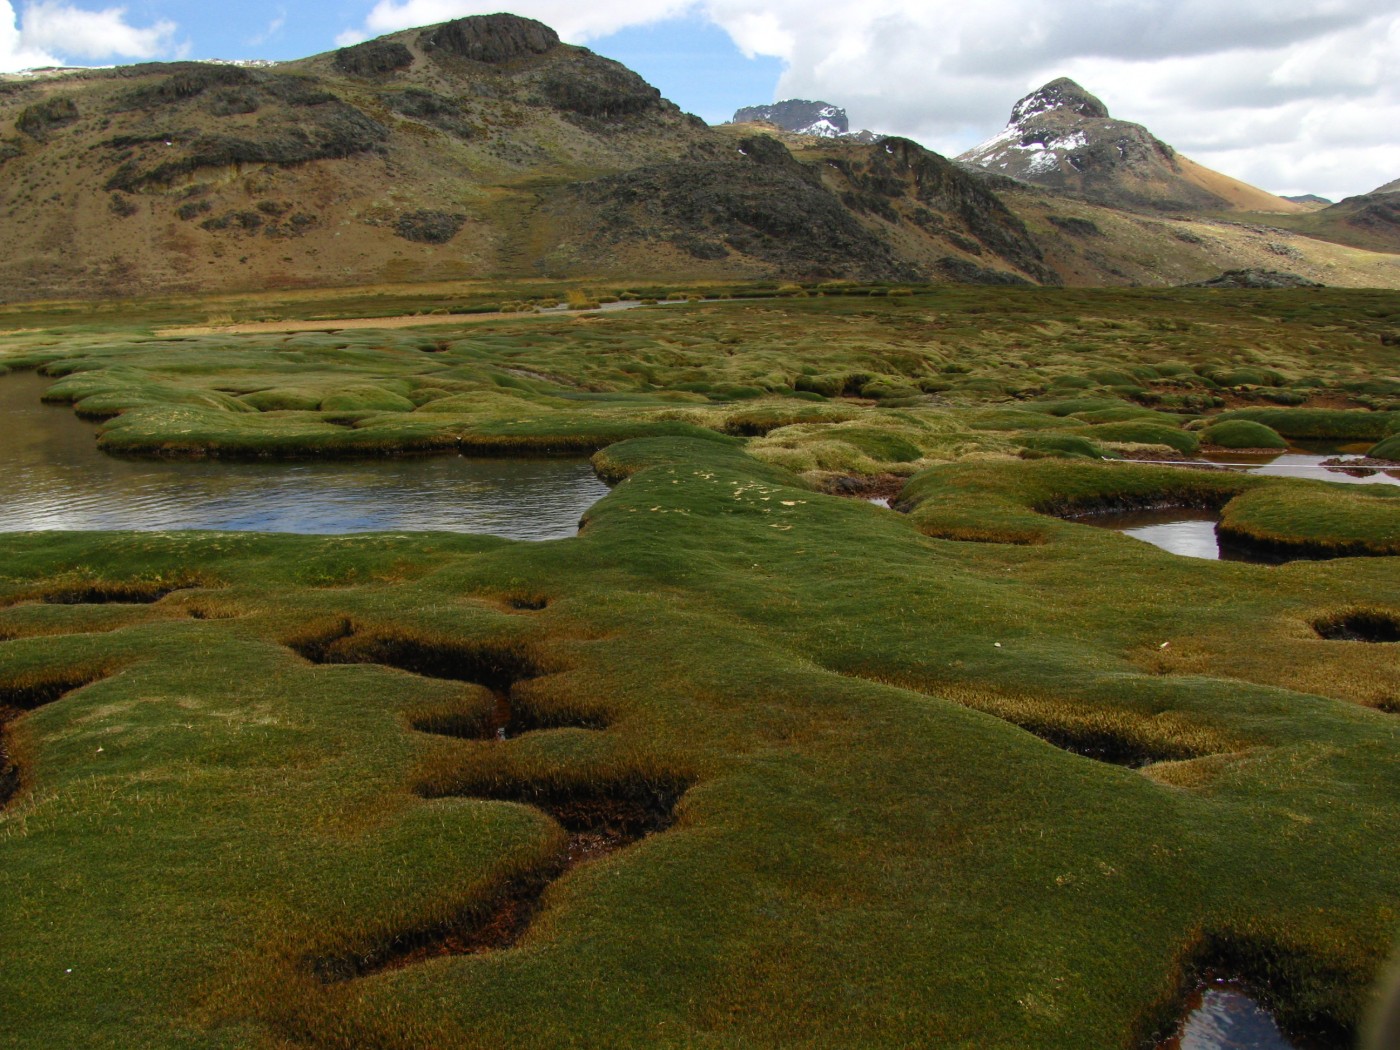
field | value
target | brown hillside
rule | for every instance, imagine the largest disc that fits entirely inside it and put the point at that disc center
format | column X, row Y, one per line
column 484, row 148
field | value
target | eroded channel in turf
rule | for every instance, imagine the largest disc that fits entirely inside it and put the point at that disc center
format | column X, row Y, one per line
column 55, row 478
column 23, row 695
column 1377, row 626
column 502, row 667
column 599, row 817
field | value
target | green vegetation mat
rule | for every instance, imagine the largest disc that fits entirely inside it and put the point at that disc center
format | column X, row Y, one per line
column 743, row 764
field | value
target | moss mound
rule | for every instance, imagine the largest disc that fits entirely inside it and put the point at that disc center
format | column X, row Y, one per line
column 1242, row 433
column 879, row 444
column 366, row 399
column 1321, row 424
column 1047, row 444
column 1145, row 433
column 1387, row 449
column 282, row 401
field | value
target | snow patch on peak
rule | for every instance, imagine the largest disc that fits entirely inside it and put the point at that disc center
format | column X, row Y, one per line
column 822, row 128
column 1058, row 94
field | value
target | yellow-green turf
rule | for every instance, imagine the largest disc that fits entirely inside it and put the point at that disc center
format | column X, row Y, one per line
column 889, row 836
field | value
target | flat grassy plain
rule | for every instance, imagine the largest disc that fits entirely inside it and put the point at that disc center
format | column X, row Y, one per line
column 744, row 763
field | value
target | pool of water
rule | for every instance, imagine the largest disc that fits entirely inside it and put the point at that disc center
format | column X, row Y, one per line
column 1306, row 464
column 1190, row 533
column 55, row 478
column 1221, row 1017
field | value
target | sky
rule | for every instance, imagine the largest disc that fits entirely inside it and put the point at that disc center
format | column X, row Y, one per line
column 1296, row 96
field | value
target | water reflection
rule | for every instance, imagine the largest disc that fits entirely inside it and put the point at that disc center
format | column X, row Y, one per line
column 1309, row 464
column 1222, row 1018
column 54, row 478
column 1190, row 533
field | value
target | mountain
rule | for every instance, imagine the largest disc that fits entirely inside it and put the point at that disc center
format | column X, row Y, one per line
column 802, row 117
column 474, row 148
column 1311, row 200
column 415, row 156
column 1064, row 138
column 484, row 148
column 1389, row 187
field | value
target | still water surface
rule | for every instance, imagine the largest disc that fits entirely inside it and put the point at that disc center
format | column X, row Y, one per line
column 1190, row 533
column 53, row 477
column 1306, row 463
column 1222, row 1018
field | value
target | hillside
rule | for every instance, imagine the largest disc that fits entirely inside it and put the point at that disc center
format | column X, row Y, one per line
column 484, row 148
column 1369, row 221
column 476, row 148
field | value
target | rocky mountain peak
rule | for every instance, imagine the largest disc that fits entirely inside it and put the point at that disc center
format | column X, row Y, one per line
column 1063, row 94
column 1063, row 138
column 800, row 116
column 491, row 38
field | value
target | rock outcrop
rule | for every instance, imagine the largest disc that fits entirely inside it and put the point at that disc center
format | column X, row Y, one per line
column 804, row 117
column 490, row 38
column 1257, row 279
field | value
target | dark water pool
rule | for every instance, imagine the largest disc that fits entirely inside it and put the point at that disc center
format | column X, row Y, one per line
column 1221, row 1017
column 53, row 477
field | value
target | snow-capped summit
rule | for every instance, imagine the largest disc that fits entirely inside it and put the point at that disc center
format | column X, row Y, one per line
column 1063, row 93
column 1062, row 137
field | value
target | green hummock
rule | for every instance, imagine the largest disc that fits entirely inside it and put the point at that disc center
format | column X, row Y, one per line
column 1242, row 433
column 1387, row 449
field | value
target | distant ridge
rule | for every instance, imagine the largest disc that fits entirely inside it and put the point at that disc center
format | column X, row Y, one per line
column 1368, row 220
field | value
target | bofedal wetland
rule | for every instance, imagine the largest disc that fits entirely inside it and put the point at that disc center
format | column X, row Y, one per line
column 743, row 760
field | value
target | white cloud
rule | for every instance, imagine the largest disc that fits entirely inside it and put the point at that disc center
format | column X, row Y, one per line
column 15, row 52
column 1284, row 93
column 760, row 33
column 52, row 33
column 79, row 33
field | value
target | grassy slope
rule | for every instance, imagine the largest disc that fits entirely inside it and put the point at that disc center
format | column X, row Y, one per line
column 872, row 850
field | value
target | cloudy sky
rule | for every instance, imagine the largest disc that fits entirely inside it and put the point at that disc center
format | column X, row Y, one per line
column 1297, row 96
